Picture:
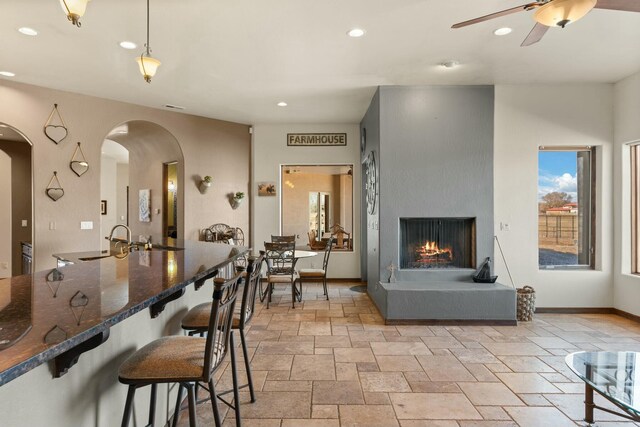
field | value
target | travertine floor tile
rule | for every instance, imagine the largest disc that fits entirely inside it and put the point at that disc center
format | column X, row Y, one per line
column 354, row 355
column 337, row 393
column 384, row 382
column 538, row 417
column 367, row 415
column 492, row 394
column 399, row 348
column 515, row 349
column 316, row 367
column 278, row 405
column 311, row 423
column 324, row 411
column 398, row 363
column 435, row 406
column 525, row 364
column 527, row 383
column 444, row 368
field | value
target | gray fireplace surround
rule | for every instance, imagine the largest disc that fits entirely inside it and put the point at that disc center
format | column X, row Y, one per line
column 434, row 157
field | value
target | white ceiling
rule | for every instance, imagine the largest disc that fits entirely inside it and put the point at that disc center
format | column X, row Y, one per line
column 235, row 59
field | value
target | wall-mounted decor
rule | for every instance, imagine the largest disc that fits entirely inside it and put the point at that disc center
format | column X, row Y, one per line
column 54, row 190
column 236, row 199
column 316, row 139
column 55, row 132
column 78, row 165
column 205, row 183
column 144, row 204
column 371, row 183
column 103, row 207
column 363, row 141
column 266, row 189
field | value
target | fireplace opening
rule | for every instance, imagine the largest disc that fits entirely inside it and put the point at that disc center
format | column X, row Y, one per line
column 437, row 243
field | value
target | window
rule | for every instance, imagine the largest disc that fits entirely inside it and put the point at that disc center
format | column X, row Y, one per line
column 317, row 204
column 566, row 211
column 635, row 209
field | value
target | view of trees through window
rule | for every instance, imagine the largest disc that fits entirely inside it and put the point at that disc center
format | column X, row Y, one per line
column 565, row 207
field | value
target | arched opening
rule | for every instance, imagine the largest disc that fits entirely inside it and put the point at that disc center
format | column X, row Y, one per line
column 16, row 203
column 135, row 188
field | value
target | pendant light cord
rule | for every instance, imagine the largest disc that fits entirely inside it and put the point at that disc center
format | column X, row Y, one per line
column 148, row 48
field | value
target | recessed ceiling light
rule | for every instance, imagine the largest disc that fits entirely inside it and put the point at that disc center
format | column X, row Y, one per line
column 28, row 31
column 128, row 45
column 450, row 64
column 502, row 31
column 282, row 104
column 356, row 32
column 7, row 74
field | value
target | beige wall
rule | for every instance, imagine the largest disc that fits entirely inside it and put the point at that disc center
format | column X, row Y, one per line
column 20, row 153
column 627, row 131
column 525, row 119
column 210, row 147
column 270, row 151
column 5, row 215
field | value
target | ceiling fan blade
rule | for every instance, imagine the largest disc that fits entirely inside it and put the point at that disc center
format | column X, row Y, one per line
column 522, row 8
column 624, row 5
column 535, row 35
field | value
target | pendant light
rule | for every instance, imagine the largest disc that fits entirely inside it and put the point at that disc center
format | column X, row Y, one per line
column 148, row 65
column 74, row 10
column 562, row 12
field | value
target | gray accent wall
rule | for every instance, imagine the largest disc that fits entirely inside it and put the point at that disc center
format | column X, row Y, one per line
column 435, row 159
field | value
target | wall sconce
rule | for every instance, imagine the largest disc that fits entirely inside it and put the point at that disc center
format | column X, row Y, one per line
column 171, row 186
column 74, row 9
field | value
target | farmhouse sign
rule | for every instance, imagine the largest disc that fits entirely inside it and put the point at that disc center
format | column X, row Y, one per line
column 316, row 139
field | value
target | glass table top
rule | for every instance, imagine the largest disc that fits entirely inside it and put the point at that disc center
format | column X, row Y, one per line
column 612, row 374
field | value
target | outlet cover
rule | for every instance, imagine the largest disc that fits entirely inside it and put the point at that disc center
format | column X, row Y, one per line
column 24, row 223
column 86, row 225
column 4, row 265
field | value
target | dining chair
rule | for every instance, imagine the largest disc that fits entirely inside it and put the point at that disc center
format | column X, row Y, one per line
column 281, row 263
column 187, row 360
column 196, row 320
column 317, row 274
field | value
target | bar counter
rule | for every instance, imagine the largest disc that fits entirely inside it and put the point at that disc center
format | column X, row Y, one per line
column 55, row 315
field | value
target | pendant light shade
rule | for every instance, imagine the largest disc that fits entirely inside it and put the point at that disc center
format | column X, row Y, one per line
column 562, row 12
column 74, row 9
column 148, row 66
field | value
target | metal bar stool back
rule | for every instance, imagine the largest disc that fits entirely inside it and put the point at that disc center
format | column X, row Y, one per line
column 186, row 360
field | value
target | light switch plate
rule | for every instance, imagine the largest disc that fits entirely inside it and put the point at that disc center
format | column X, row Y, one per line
column 24, row 223
column 86, row 225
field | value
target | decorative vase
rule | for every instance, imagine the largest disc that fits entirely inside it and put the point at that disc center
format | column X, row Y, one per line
column 235, row 203
column 204, row 186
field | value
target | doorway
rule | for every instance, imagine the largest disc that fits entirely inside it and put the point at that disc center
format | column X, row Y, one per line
column 16, row 199
column 170, row 200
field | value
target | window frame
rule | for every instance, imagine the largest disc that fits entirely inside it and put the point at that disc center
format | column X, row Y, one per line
column 635, row 207
column 593, row 201
column 353, row 232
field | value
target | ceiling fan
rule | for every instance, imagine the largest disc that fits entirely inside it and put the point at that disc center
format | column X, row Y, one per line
column 552, row 13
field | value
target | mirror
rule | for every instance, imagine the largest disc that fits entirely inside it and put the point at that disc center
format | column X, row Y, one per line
column 317, row 205
column 16, row 203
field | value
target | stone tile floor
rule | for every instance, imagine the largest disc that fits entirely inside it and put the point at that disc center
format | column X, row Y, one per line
column 335, row 364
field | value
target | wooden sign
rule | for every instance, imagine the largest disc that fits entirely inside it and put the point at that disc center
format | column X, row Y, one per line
column 316, row 139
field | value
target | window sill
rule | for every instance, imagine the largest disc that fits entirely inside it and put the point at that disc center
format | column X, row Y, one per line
column 567, row 269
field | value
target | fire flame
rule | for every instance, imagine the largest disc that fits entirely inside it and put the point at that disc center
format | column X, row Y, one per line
column 432, row 249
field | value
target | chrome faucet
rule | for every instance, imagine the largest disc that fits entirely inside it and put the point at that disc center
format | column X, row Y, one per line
column 129, row 242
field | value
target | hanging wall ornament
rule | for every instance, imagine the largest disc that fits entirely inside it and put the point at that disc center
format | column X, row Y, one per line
column 56, row 133
column 54, row 192
column 79, row 165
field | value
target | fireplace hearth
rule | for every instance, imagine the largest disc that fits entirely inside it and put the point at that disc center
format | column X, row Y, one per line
column 437, row 243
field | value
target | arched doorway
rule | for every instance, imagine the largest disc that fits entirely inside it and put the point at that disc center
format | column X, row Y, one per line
column 16, row 199
column 150, row 149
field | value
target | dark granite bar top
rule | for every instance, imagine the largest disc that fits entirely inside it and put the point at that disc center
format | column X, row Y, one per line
column 47, row 313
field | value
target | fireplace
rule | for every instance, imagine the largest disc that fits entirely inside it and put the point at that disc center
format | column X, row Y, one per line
column 437, row 243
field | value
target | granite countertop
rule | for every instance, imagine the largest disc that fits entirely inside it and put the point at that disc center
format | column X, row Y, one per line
column 47, row 313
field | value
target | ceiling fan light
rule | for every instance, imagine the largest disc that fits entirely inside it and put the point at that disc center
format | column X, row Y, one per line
column 148, row 66
column 563, row 12
column 74, row 9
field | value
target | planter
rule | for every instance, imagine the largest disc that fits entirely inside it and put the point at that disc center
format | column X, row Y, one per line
column 235, row 203
column 204, row 186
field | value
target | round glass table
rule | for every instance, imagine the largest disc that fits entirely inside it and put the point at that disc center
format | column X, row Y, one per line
column 614, row 376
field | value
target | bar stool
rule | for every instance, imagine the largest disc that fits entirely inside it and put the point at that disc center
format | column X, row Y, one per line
column 197, row 319
column 186, row 360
